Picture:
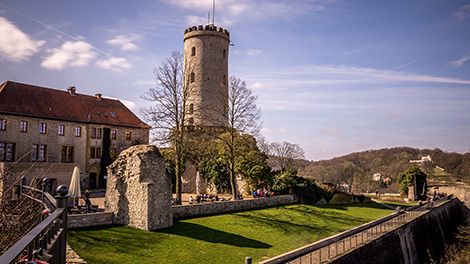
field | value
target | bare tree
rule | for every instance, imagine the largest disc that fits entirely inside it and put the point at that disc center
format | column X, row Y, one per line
column 167, row 115
column 243, row 117
column 284, row 154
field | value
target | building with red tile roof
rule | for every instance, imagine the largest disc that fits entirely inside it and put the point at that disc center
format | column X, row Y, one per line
column 55, row 128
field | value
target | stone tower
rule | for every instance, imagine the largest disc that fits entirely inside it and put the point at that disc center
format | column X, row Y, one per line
column 206, row 72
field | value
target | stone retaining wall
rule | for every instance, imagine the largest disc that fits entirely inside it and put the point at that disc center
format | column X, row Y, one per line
column 422, row 240
column 204, row 209
column 91, row 219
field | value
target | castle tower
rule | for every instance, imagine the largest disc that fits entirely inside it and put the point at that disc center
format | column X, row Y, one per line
column 206, row 70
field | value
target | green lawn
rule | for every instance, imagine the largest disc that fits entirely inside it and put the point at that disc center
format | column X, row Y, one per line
column 225, row 238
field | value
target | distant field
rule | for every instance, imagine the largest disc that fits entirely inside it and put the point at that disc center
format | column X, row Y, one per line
column 225, row 238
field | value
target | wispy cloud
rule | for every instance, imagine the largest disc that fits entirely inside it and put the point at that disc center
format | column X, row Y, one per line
column 196, row 20
column 129, row 104
column 253, row 52
column 144, row 82
column 463, row 12
column 257, row 85
column 117, row 64
column 125, row 43
column 15, row 45
column 461, row 61
column 340, row 74
column 231, row 11
column 70, row 54
column 352, row 52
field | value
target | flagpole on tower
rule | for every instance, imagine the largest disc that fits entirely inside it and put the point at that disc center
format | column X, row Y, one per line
column 213, row 11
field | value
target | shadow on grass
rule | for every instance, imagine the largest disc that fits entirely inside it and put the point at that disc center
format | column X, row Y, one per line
column 346, row 206
column 317, row 222
column 207, row 234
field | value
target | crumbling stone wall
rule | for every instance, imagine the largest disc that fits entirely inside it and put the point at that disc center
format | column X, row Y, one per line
column 139, row 190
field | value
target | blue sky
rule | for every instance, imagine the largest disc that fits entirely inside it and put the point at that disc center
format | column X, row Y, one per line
column 332, row 76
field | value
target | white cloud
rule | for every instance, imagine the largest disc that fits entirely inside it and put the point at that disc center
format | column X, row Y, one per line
column 339, row 74
column 15, row 45
column 70, row 54
column 460, row 62
column 129, row 104
column 144, row 82
column 253, row 52
column 257, row 85
column 114, row 64
column 230, row 11
column 196, row 20
column 463, row 12
column 125, row 43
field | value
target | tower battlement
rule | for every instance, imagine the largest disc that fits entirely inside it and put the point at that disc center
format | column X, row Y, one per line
column 206, row 29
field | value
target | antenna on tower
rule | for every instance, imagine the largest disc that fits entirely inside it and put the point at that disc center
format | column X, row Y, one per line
column 208, row 18
column 213, row 11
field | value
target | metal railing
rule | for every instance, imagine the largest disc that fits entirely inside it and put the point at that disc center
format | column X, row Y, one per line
column 334, row 249
column 46, row 241
column 329, row 248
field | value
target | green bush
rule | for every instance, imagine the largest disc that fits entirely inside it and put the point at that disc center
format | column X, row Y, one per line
column 304, row 189
column 341, row 198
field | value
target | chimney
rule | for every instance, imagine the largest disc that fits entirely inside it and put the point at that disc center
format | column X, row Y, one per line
column 98, row 96
column 72, row 90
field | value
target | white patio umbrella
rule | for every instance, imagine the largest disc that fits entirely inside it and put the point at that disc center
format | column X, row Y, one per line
column 74, row 188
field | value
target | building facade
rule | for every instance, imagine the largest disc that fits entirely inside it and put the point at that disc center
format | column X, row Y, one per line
column 206, row 73
column 43, row 129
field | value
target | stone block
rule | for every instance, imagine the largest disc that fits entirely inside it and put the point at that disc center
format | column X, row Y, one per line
column 139, row 190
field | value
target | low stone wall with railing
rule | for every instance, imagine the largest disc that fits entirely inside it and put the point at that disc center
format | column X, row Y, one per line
column 204, row 209
column 414, row 236
column 90, row 219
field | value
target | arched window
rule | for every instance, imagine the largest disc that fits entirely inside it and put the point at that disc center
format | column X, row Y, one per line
column 224, row 53
column 224, row 79
column 193, row 51
column 192, row 77
column 191, row 108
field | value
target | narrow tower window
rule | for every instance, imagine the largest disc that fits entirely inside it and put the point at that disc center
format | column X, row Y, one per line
column 191, row 109
column 192, row 77
column 224, row 79
column 224, row 53
column 193, row 51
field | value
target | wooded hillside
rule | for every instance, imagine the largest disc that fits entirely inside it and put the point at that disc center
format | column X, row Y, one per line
column 357, row 169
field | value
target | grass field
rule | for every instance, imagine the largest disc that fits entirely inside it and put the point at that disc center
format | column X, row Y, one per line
column 225, row 238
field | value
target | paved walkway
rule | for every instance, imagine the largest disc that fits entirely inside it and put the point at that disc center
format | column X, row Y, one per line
column 73, row 257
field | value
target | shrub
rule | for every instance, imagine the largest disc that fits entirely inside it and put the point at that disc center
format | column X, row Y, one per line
column 304, row 189
column 341, row 198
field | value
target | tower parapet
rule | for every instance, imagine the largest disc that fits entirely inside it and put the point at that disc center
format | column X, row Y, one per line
column 205, row 29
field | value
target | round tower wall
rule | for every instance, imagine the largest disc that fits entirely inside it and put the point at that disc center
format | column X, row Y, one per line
column 206, row 55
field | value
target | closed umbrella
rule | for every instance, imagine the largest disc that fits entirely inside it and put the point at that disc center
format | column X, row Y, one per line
column 74, row 188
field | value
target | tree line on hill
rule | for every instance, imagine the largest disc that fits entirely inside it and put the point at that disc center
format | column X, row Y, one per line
column 357, row 169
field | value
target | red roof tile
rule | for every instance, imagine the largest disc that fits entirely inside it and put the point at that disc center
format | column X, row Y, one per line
column 35, row 101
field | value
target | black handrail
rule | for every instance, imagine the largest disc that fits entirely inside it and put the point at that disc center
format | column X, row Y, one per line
column 46, row 198
column 47, row 241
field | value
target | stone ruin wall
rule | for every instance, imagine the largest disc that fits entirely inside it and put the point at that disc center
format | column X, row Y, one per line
column 139, row 190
